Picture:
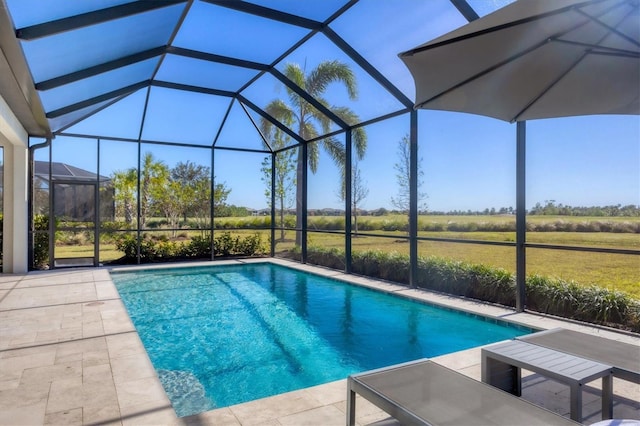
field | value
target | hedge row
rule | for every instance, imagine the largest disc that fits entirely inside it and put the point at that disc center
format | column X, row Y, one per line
column 558, row 297
column 158, row 248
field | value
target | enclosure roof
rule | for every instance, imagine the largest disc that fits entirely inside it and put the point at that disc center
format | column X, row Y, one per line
column 62, row 171
column 148, row 70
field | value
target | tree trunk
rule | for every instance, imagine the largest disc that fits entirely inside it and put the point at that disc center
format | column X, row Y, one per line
column 128, row 212
column 355, row 222
column 282, row 219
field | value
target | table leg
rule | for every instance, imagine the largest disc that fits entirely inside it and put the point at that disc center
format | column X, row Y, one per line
column 576, row 402
column 351, row 406
column 501, row 375
column 607, row 397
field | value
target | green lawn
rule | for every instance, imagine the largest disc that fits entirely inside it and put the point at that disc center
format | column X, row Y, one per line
column 620, row 272
column 614, row 271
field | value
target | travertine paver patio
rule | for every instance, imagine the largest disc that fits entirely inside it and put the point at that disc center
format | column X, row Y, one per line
column 69, row 354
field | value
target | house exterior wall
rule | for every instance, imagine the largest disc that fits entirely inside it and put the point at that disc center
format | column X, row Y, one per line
column 15, row 141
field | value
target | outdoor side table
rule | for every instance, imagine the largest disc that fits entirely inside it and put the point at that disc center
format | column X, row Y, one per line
column 502, row 364
column 426, row 393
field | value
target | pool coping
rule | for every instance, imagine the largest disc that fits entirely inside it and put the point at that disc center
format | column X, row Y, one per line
column 96, row 344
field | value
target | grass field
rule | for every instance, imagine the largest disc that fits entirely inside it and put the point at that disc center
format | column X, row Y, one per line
column 614, row 271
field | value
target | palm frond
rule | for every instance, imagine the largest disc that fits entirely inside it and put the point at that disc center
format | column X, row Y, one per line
column 313, row 154
column 359, row 135
column 279, row 110
column 324, row 121
column 335, row 149
column 328, row 72
column 310, row 131
column 296, row 74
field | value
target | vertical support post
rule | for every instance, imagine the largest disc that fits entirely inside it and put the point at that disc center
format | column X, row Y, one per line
column 9, row 263
column 413, row 199
column 30, row 197
column 303, row 213
column 521, row 215
column 211, row 204
column 347, row 200
column 97, row 218
column 138, row 207
column 52, row 214
column 273, row 204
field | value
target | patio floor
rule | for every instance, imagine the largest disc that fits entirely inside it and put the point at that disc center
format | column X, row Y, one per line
column 69, row 354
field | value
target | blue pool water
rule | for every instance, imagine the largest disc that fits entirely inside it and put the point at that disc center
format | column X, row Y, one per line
column 222, row 335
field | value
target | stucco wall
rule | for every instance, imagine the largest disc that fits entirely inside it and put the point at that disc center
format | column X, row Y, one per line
column 15, row 141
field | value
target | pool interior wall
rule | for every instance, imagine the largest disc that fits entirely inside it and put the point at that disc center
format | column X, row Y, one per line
column 230, row 334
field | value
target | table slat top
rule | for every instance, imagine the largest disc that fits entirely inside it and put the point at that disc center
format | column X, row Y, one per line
column 539, row 357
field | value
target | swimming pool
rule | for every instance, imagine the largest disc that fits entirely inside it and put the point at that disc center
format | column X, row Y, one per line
column 222, row 335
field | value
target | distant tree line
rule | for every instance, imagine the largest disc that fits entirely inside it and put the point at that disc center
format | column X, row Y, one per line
column 553, row 209
column 549, row 209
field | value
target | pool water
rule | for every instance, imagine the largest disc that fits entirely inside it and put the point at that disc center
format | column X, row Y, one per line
column 223, row 335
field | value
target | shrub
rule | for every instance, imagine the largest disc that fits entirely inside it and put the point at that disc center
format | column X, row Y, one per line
column 159, row 247
column 289, row 221
column 329, row 257
column 127, row 244
column 260, row 222
column 367, row 225
column 108, row 231
column 462, row 227
column 499, row 227
column 395, row 225
column 224, row 244
column 152, row 248
column 324, row 223
column 74, row 238
column 156, row 223
column 432, row 226
column 250, row 245
column 584, row 303
column 40, row 241
column 198, row 246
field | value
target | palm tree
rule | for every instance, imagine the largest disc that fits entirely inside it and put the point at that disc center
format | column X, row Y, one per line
column 124, row 184
column 310, row 123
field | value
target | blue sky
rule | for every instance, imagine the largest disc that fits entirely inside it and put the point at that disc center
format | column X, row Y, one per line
column 468, row 161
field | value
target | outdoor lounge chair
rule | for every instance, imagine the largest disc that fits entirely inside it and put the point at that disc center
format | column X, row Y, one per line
column 623, row 357
column 426, row 393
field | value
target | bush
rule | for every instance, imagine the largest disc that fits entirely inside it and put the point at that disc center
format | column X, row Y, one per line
column 432, row 226
column 127, row 244
column 329, row 257
column 584, row 303
column 250, row 246
column 74, row 238
column 367, row 225
column 198, row 246
column 152, row 248
column 40, row 241
column 395, row 225
column 224, row 244
column 324, row 223
column 462, row 227
column 158, row 247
